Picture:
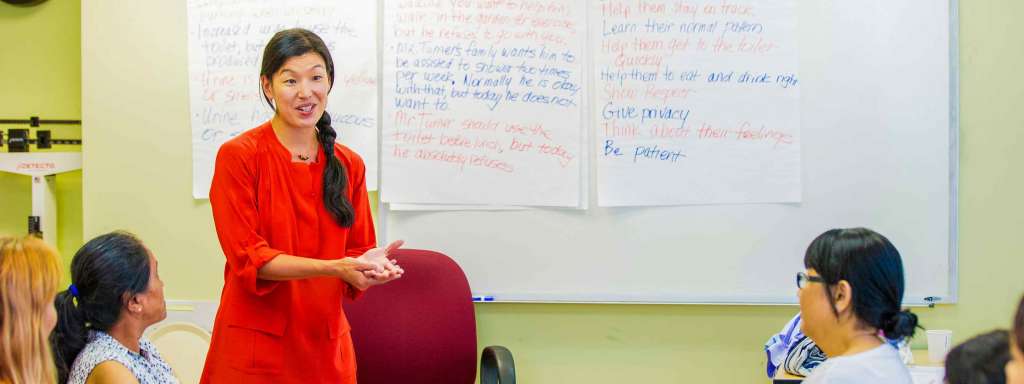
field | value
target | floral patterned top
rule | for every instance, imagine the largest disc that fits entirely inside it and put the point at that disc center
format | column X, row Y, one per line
column 147, row 366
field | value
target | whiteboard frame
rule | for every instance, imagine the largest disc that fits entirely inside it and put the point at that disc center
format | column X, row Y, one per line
column 954, row 150
column 954, row 177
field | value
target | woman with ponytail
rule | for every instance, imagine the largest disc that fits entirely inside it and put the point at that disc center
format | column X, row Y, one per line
column 293, row 219
column 28, row 282
column 116, row 293
column 850, row 297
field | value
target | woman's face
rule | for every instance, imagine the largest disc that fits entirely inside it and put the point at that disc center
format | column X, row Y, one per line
column 1015, row 367
column 299, row 90
column 815, row 309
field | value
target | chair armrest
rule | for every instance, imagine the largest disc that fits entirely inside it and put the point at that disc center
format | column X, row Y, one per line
column 497, row 366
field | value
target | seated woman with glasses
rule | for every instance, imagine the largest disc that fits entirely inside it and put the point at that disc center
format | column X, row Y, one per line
column 795, row 353
column 850, row 298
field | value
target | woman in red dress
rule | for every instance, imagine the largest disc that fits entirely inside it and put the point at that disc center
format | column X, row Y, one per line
column 292, row 216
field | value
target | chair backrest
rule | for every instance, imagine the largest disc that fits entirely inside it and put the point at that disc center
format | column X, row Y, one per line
column 417, row 329
column 183, row 345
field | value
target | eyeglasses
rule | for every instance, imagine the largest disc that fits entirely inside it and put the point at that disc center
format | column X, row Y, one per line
column 802, row 279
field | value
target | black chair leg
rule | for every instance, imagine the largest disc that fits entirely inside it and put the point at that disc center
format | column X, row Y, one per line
column 497, row 366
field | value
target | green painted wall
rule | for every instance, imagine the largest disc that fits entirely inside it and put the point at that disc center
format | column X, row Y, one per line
column 138, row 177
column 41, row 75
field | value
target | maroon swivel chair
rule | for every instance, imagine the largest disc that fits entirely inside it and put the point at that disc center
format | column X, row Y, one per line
column 422, row 328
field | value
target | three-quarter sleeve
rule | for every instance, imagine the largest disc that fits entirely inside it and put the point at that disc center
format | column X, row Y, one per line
column 233, row 199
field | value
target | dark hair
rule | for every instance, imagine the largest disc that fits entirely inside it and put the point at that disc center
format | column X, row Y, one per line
column 104, row 272
column 872, row 267
column 979, row 360
column 1018, row 326
column 297, row 42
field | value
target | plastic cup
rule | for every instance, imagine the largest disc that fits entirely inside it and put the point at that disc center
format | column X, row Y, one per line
column 939, row 341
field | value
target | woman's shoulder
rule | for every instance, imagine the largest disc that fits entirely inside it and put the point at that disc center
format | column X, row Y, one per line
column 111, row 371
column 881, row 363
column 104, row 358
column 99, row 344
column 350, row 158
column 246, row 142
column 100, row 348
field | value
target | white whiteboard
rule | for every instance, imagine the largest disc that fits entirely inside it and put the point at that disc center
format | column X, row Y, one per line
column 878, row 122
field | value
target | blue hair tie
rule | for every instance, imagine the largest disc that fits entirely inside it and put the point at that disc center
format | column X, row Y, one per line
column 73, row 289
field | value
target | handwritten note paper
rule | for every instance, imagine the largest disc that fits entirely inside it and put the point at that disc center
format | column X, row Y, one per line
column 697, row 101
column 225, row 42
column 482, row 102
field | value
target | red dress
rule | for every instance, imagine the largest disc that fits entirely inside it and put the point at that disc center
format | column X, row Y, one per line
column 265, row 205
